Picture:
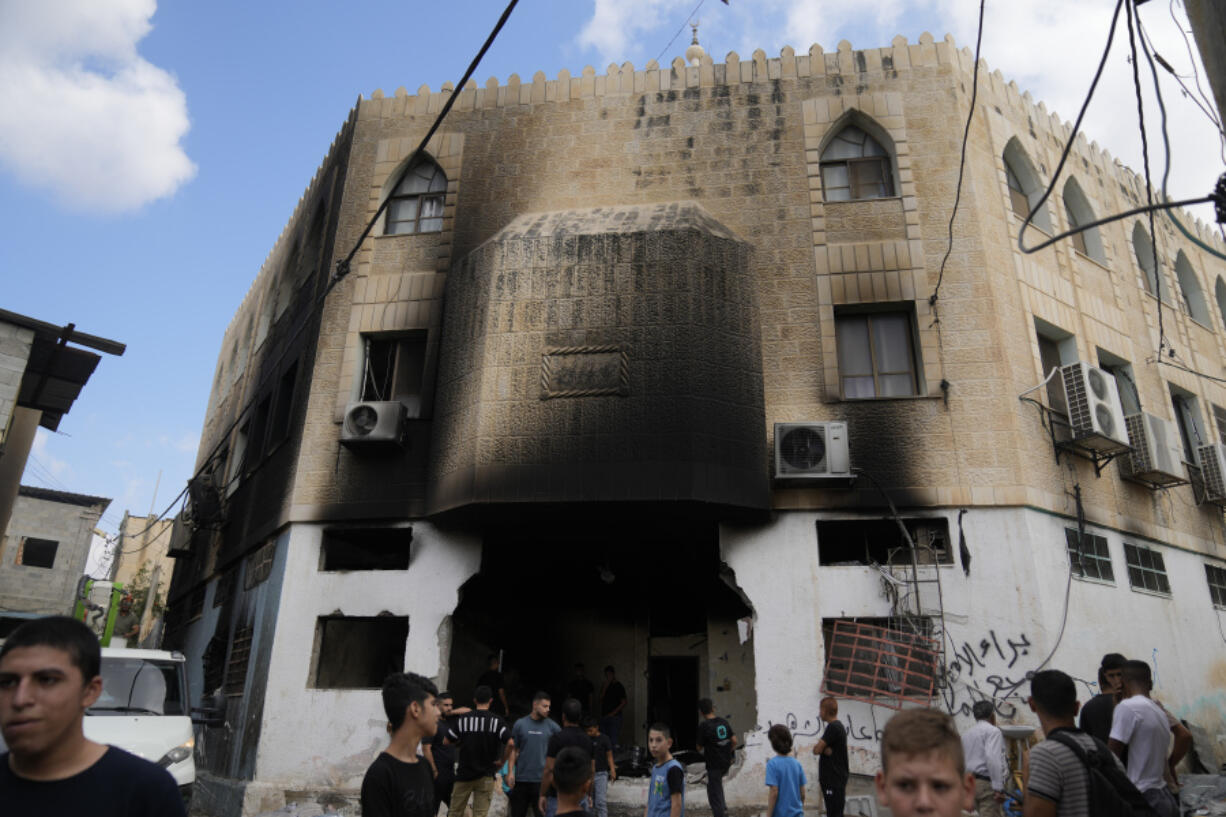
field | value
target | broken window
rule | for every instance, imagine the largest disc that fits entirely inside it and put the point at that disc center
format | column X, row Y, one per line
column 394, row 369
column 879, row 541
column 356, row 652
column 1146, row 569
column 33, row 552
column 1187, row 418
column 259, row 427
column 366, row 548
column 278, row 429
column 240, row 658
column 226, row 586
column 1089, row 556
column 259, row 564
column 238, row 456
column 887, row 662
column 1216, row 576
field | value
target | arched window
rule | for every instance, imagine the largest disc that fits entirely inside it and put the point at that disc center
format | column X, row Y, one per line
column 1193, row 298
column 1144, row 249
column 1077, row 208
column 856, row 166
column 1024, row 185
column 1219, row 292
column 416, row 205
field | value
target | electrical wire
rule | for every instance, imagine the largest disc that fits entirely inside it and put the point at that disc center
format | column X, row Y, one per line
column 678, row 34
column 1136, row 211
column 1195, row 73
column 949, row 247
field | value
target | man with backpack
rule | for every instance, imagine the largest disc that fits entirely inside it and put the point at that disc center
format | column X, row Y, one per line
column 1139, row 725
column 1070, row 773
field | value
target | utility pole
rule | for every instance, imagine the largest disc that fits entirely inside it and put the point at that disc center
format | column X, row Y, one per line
column 1208, row 20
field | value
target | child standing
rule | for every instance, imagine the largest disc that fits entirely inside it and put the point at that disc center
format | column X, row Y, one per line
column 784, row 776
column 606, row 771
column 922, row 768
column 572, row 778
column 666, row 794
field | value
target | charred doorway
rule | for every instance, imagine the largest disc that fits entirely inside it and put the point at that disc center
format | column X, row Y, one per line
column 645, row 594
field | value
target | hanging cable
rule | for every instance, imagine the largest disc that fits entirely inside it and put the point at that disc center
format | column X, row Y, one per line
column 678, row 34
column 949, row 247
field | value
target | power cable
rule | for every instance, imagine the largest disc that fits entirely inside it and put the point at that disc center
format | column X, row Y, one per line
column 949, row 247
column 678, row 34
column 1195, row 73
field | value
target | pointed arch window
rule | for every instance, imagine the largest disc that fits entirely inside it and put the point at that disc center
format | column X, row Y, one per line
column 1077, row 208
column 416, row 205
column 1193, row 298
column 1219, row 292
column 1025, row 186
column 855, row 166
column 1143, row 246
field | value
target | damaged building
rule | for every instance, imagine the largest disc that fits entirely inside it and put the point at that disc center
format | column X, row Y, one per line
column 663, row 369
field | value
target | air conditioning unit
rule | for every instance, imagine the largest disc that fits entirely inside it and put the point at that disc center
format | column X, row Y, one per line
column 1157, row 453
column 374, row 426
column 812, row 451
column 1213, row 470
column 1094, row 410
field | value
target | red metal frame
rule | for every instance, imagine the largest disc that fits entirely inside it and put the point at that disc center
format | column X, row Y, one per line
column 890, row 668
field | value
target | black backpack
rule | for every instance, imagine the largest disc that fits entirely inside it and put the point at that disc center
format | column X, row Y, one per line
column 1111, row 793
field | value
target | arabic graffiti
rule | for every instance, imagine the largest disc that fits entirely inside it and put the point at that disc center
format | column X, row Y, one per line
column 985, row 670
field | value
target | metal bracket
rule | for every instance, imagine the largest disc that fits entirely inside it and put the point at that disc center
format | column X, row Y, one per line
column 1100, row 459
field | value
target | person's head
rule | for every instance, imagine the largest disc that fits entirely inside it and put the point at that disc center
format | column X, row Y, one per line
column 540, row 705
column 49, row 676
column 706, row 707
column 1053, row 696
column 446, row 702
column 1109, row 671
column 984, row 711
column 409, row 700
column 482, row 696
column 578, row 670
column 660, row 741
column 1135, row 678
column 572, row 711
column 922, row 768
column 572, row 772
column 609, row 673
column 492, row 660
column 828, row 709
column 590, row 725
column 125, row 604
column 780, row 738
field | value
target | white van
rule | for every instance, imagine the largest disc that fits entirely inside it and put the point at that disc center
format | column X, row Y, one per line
column 145, row 709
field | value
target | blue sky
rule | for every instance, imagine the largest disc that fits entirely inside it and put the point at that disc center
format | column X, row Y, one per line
column 151, row 153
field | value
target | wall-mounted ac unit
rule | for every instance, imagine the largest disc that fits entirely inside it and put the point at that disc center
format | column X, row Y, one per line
column 374, row 426
column 812, row 451
column 1212, row 460
column 1094, row 410
column 1157, row 453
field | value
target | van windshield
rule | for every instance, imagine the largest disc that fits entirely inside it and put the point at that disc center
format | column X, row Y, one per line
column 140, row 686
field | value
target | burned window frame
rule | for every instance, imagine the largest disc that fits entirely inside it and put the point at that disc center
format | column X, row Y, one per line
column 1146, row 569
column 1098, row 555
column 1215, row 577
column 861, row 678
column 383, row 540
column 259, row 564
column 374, row 678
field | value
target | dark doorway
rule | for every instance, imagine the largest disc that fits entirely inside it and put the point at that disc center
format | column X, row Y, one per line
column 672, row 696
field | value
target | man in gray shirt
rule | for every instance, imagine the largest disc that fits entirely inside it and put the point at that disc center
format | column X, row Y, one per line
column 529, row 743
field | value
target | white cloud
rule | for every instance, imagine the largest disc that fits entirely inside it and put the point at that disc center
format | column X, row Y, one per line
column 615, row 23
column 82, row 114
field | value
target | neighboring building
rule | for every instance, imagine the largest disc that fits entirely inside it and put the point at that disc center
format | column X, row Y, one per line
column 40, row 378
column 538, row 417
column 43, row 553
column 140, row 559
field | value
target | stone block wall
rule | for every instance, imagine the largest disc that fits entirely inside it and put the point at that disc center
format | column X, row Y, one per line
column 15, row 343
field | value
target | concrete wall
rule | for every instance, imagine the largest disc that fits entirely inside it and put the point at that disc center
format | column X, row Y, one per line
column 28, row 589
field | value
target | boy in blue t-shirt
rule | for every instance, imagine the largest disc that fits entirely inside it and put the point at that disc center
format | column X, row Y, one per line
column 666, row 794
column 784, row 776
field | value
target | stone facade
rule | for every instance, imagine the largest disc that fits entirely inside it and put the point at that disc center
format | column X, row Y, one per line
column 66, row 519
column 671, row 223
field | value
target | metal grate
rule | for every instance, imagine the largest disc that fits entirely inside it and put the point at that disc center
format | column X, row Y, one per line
column 240, row 657
column 890, row 668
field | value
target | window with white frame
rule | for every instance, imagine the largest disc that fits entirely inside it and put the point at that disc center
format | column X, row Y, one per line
column 876, row 353
column 1146, row 569
column 416, row 205
column 1089, row 556
column 855, row 166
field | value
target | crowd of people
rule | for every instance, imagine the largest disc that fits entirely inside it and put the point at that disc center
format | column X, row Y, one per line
column 1118, row 759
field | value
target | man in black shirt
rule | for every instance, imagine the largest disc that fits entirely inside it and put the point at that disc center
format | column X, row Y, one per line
column 717, row 743
column 1096, row 715
column 581, row 689
column 483, row 748
column 398, row 783
column 612, row 702
column 832, row 768
column 492, row 678
column 49, row 675
column 571, row 734
column 440, row 751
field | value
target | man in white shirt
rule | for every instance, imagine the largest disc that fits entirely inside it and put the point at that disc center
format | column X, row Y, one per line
column 1141, row 726
column 983, row 745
